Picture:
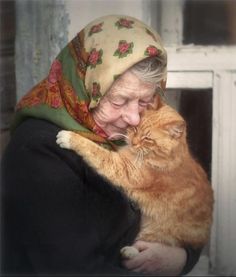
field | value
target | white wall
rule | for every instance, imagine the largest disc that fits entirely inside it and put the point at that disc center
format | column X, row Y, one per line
column 82, row 12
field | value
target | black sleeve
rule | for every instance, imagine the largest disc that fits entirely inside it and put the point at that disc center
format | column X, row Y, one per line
column 52, row 210
column 192, row 258
column 52, row 215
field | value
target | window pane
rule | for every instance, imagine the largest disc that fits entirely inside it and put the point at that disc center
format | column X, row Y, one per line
column 209, row 22
column 196, row 108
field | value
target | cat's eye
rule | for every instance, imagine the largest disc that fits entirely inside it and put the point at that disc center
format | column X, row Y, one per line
column 150, row 142
column 147, row 135
column 147, row 139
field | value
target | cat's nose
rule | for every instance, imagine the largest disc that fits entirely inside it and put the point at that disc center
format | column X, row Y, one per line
column 135, row 141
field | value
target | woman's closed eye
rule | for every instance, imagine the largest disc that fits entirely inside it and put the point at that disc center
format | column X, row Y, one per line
column 143, row 103
column 118, row 104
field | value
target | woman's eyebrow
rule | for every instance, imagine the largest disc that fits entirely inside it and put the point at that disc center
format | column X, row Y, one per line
column 147, row 98
column 117, row 97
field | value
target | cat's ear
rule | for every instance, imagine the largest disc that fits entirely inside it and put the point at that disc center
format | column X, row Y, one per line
column 156, row 103
column 176, row 129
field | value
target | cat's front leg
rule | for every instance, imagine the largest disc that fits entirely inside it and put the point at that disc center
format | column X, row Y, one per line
column 96, row 156
column 90, row 151
column 81, row 145
column 110, row 164
column 64, row 139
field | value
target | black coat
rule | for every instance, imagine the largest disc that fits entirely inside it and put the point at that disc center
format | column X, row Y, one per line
column 58, row 215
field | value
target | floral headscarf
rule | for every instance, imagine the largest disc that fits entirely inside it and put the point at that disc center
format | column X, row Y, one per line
column 85, row 69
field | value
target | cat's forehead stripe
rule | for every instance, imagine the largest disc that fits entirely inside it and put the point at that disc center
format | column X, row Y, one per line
column 151, row 120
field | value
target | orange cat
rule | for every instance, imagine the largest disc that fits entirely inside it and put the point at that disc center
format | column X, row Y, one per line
column 157, row 171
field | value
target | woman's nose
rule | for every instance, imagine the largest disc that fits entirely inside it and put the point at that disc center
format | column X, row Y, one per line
column 132, row 116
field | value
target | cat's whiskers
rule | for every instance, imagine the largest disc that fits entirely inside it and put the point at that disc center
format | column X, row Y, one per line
column 136, row 159
column 145, row 151
column 139, row 157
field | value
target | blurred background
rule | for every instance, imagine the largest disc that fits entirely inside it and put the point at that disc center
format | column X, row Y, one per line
column 200, row 38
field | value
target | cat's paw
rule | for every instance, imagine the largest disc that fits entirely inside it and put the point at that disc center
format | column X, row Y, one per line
column 128, row 252
column 63, row 139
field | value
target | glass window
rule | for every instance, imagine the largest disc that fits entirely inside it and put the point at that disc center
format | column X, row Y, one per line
column 209, row 22
column 196, row 107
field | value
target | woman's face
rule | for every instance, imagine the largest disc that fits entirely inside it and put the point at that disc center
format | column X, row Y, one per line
column 122, row 104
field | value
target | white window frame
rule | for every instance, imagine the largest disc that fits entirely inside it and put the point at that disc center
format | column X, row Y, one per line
column 195, row 67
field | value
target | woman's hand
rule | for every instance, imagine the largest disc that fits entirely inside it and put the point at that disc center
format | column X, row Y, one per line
column 157, row 259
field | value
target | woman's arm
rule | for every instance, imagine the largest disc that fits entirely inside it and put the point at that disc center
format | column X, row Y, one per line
column 159, row 259
column 49, row 210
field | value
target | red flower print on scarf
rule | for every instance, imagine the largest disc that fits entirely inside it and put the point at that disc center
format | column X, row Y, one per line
column 35, row 102
column 53, row 97
column 95, row 58
column 124, row 48
column 95, row 29
column 56, row 102
column 39, row 98
column 151, row 51
column 124, row 23
column 55, row 72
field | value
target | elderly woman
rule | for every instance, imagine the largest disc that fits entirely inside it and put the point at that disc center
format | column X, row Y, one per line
column 59, row 216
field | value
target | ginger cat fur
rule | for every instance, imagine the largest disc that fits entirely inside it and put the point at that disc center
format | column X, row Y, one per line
column 157, row 171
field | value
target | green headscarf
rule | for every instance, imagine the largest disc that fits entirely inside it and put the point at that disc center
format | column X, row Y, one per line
column 84, row 71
